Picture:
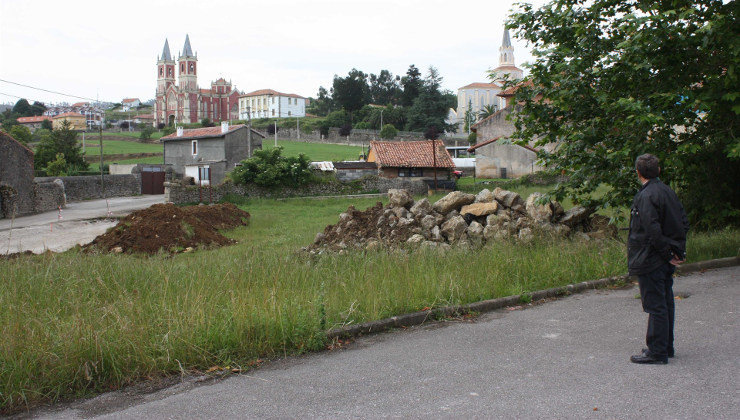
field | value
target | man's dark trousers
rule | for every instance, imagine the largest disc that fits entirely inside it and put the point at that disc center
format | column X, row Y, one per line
column 656, row 292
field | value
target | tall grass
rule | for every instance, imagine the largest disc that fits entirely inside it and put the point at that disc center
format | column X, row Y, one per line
column 76, row 323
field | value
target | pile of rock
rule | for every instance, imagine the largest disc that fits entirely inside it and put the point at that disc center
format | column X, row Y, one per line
column 459, row 219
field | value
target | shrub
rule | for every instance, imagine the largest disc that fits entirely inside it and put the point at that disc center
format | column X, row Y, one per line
column 345, row 130
column 57, row 167
column 206, row 122
column 146, row 132
column 21, row 133
column 473, row 138
column 269, row 169
column 388, row 132
column 271, row 129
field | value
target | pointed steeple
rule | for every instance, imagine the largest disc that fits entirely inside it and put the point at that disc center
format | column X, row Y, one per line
column 507, row 41
column 186, row 50
column 166, row 51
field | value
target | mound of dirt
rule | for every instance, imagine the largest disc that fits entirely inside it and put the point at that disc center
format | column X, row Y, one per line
column 171, row 228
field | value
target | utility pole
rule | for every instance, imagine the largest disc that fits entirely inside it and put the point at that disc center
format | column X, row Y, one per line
column 275, row 132
column 249, row 131
column 298, row 127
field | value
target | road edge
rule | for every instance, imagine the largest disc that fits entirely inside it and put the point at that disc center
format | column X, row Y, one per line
column 419, row 318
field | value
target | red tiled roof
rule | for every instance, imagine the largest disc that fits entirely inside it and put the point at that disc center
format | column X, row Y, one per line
column 205, row 132
column 510, row 91
column 40, row 118
column 125, row 101
column 79, row 104
column 410, row 154
column 68, row 114
column 271, row 92
column 487, row 142
column 507, row 68
column 494, row 85
column 145, row 117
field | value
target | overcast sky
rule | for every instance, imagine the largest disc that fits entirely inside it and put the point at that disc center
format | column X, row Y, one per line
column 109, row 49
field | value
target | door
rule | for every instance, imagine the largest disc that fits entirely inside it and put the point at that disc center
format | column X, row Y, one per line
column 152, row 182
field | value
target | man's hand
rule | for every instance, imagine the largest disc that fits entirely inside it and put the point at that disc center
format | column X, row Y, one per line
column 676, row 261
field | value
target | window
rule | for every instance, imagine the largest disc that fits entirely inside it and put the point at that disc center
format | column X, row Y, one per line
column 204, row 173
column 410, row 172
column 289, row 113
column 194, row 146
column 182, row 68
column 273, row 112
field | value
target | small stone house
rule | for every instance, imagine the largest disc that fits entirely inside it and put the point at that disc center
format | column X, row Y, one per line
column 208, row 154
column 354, row 170
column 411, row 159
column 33, row 123
column 17, row 194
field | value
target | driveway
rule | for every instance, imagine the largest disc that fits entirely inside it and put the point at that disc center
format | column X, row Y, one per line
column 563, row 359
column 78, row 223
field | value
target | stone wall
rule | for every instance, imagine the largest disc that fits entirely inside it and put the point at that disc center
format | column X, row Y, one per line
column 347, row 175
column 49, row 195
column 78, row 188
column 16, row 177
column 178, row 194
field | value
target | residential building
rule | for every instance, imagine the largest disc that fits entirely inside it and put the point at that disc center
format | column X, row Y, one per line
column 208, row 154
column 129, row 103
column 33, row 123
column 478, row 96
column 143, row 119
column 76, row 120
column 411, row 159
column 268, row 103
column 182, row 100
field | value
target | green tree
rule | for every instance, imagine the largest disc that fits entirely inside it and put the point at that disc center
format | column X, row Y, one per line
column 412, row 85
column 323, row 104
column 57, row 167
column 62, row 140
column 146, row 132
column 47, row 125
column 384, row 88
column 22, row 108
column 469, row 118
column 21, row 133
column 268, row 168
column 388, row 132
column 351, row 92
column 472, row 138
column 616, row 78
column 487, row 111
column 431, row 107
column 206, row 122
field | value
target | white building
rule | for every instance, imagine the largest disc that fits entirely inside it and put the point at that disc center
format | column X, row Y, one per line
column 129, row 103
column 477, row 96
column 268, row 103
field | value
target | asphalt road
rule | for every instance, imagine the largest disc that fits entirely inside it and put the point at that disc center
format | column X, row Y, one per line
column 562, row 359
column 77, row 223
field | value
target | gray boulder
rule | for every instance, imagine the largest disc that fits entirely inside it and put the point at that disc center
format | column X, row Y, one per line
column 428, row 222
column 453, row 201
column 421, row 208
column 475, row 233
column 485, row 196
column 574, row 216
column 415, row 239
column 538, row 212
column 508, row 198
column 454, row 229
column 399, row 198
column 479, row 209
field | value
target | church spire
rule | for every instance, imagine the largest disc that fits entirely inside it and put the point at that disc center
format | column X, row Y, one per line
column 166, row 51
column 186, row 50
column 506, row 56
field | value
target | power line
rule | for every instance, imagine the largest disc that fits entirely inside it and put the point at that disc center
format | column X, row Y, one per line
column 47, row 90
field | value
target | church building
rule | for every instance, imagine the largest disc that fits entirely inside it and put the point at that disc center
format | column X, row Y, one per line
column 182, row 101
column 478, row 96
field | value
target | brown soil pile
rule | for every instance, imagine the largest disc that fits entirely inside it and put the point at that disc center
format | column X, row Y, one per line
column 357, row 227
column 171, row 228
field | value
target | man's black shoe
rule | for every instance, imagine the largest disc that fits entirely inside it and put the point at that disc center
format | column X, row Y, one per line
column 671, row 352
column 648, row 359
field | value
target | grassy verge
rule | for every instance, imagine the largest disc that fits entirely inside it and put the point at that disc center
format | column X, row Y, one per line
column 82, row 323
column 119, row 147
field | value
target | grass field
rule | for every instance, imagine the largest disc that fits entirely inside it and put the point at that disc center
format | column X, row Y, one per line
column 119, row 147
column 84, row 323
column 315, row 151
column 132, row 134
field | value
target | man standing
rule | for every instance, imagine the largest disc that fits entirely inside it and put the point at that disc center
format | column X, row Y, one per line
column 656, row 245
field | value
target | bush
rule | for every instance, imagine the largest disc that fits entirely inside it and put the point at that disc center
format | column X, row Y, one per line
column 146, row 132
column 345, row 130
column 271, row 129
column 21, row 133
column 166, row 131
column 388, row 132
column 269, row 169
column 206, row 122
column 57, row 167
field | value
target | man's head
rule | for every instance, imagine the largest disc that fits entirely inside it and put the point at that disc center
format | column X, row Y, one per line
column 647, row 166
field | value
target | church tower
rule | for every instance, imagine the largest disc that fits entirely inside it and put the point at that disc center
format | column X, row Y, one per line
column 506, row 66
column 187, row 68
column 165, row 70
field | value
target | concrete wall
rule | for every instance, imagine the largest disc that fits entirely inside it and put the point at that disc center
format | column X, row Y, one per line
column 16, row 177
column 517, row 160
column 179, row 194
column 78, row 188
column 496, row 125
column 346, row 175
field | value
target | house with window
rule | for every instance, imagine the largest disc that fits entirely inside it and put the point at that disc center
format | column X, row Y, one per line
column 33, row 123
column 411, row 159
column 268, row 103
column 130, row 103
column 208, row 154
column 76, row 120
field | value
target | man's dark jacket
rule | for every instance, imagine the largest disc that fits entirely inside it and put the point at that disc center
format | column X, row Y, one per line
column 658, row 226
